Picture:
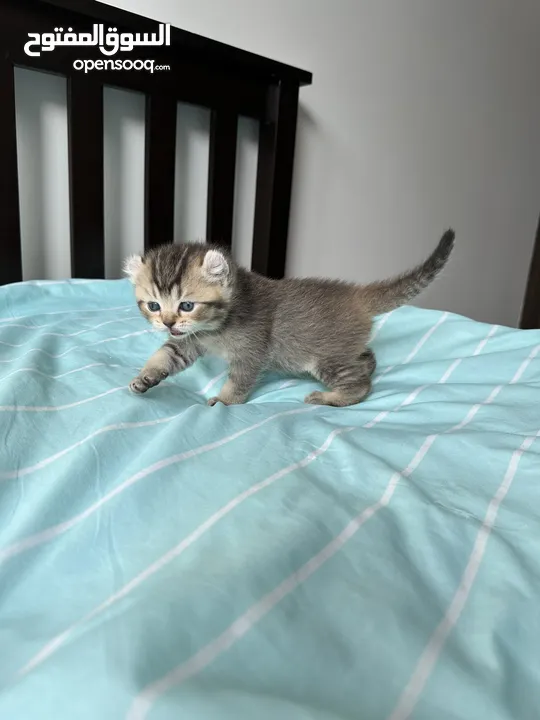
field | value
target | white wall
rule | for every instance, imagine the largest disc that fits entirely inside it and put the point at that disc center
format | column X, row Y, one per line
column 423, row 114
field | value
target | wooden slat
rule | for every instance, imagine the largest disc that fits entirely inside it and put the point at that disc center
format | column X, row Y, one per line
column 160, row 153
column 10, row 262
column 530, row 316
column 85, row 134
column 221, row 174
column 274, row 181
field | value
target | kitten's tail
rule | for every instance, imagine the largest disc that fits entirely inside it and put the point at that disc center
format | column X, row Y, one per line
column 383, row 296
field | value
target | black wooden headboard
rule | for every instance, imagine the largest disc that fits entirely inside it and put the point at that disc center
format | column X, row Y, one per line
column 228, row 81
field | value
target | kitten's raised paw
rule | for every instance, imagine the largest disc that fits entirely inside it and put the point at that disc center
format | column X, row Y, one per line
column 138, row 386
column 142, row 383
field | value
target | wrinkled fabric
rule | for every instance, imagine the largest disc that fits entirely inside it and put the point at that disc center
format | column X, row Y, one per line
column 162, row 559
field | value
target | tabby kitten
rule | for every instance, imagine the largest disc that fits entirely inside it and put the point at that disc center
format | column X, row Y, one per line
column 208, row 304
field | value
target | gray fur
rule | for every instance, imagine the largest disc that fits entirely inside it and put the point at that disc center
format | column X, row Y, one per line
column 299, row 326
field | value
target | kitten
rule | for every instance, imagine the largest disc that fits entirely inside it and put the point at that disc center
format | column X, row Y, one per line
column 208, row 304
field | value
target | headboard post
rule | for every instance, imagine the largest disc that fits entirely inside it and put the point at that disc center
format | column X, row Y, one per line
column 274, row 179
column 11, row 262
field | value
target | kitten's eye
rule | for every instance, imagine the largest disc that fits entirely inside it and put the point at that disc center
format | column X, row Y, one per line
column 187, row 306
column 153, row 306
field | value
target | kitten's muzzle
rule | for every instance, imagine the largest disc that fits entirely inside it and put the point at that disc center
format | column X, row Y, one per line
column 170, row 325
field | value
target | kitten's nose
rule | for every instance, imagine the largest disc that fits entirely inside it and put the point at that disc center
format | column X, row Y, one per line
column 169, row 323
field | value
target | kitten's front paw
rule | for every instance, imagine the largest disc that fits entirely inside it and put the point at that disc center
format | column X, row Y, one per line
column 137, row 385
column 142, row 383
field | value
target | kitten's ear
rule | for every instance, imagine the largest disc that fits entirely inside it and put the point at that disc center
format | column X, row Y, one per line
column 215, row 266
column 132, row 266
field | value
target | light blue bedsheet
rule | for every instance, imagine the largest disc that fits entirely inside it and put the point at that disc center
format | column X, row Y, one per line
column 162, row 559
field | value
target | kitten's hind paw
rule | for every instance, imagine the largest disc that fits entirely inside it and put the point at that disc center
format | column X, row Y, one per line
column 315, row 398
column 339, row 398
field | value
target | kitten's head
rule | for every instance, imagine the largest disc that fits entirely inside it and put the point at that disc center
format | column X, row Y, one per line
column 182, row 289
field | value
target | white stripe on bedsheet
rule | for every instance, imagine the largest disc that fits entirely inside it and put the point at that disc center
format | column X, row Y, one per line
column 409, row 697
column 120, row 426
column 426, row 337
column 212, row 382
column 451, row 369
column 54, row 644
column 379, row 325
column 497, row 390
column 58, row 408
column 525, row 364
column 446, row 376
column 64, row 374
column 73, row 334
column 65, row 312
column 408, row 400
column 201, row 659
column 20, row 472
column 416, row 349
column 77, row 347
column 59, row 529
column 491, row 333
column 288, row 383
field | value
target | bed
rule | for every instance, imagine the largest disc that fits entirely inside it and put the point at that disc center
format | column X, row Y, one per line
column 162, row 559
